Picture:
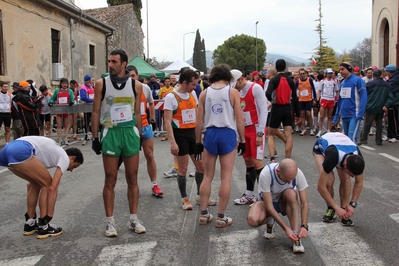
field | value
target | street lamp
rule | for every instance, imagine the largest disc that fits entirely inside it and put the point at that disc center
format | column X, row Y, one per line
column 148, row 35
column 256, row 45
column 184, row 49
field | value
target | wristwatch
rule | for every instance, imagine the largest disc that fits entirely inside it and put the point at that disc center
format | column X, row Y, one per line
column 353, row 204
column 305, row 226
column 260, row 134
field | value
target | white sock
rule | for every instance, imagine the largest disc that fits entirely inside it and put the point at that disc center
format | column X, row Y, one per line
column 249, row 193
column 31, row 221
column 133, row 216
column 153, row 184
column 110, row 219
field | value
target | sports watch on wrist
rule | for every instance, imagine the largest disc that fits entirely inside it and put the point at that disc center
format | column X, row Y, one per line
column 260, row 134
column 353, row 204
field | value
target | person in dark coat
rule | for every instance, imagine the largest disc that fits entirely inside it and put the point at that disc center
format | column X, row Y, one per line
column 28, row 109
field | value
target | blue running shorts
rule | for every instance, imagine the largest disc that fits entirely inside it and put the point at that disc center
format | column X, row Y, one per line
column 147, row 132
column 220, row 140
column 16, row 152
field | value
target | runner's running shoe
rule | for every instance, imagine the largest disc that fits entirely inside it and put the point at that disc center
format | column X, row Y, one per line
column 223, row 222
column 330, row 216
column 111, row 229
column 297, row 247
column 30, row 229
column 171, row 173
column 48, row 230
column 211, row 202
column 269, row 233
column 136, row 226
column 245, row 199
column 205, row 219
column 156, row 191
column 346, row 222
column 186, row 204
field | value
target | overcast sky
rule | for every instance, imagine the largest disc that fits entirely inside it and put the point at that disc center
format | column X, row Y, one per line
column 287, row 27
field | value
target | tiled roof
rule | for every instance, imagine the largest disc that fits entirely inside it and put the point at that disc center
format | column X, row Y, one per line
column 108, row 14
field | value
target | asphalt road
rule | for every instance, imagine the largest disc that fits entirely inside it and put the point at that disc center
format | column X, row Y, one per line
column 174, row 236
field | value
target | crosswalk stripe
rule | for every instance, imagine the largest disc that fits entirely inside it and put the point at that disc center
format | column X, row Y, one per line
column 227, row 244
column 395, row 217
column 25, row 261
column 126, row 254
column 389, row 157
column 367, row 147
column 338, row 245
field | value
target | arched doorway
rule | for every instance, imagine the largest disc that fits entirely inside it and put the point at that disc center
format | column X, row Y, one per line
column 386, row 43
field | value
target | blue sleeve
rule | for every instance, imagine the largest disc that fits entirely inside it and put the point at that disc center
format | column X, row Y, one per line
column 198, row 90
column 313, row 89
column 361, row 89
column 83, row 96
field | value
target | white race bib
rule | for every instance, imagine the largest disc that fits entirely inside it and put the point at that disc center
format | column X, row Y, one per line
column 304, row 93
column 121, row 113
column 247, row 118
column 188, row 116
column 4, row 106
column 91, row 96
column 345, row 93
column 62, row 100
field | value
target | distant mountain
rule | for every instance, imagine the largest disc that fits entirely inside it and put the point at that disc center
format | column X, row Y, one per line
column 270, row 58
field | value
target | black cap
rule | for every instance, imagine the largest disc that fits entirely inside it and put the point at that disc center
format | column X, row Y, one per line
column 281, row 65
column 377, row 73
column 15, row 85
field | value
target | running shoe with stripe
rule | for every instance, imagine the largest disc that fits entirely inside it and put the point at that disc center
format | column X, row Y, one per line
column 211, row 202
column 330, row 216
column 111, row 229
column 30, row 229
column 205, row 219
column 157, row 192
column 186, row 204
column 223, row 222
column 269, row 233
column 136, row 226
column 48, row 230
column 297, row 247
column 171, row 173
column 245, row 199
column 346, row 222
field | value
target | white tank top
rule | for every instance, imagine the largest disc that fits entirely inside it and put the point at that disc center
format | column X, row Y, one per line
column 117, row 107
column 218, row 109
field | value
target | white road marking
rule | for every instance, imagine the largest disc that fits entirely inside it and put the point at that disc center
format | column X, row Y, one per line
column 235, row 246
column 139, row 253
column 395, row 217
column 25, row 261
column 3, row 170
column 389, row 157
column 367, row 147
column 338, row 245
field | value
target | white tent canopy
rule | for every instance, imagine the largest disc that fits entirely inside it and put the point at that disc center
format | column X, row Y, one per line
column 176, row 66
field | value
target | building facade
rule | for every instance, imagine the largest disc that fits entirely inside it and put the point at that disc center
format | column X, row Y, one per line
column 128, row 34
column 46, row 40
column 385, row 38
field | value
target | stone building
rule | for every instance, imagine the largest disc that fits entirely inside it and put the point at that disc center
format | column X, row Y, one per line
column 128, row 35
column 385, row 37
column 46, row 40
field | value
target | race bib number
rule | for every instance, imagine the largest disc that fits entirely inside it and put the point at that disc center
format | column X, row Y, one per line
column 345, row 93
column 304, row 93
column 121, row 113
column 91, row 96
column 4, row 106
column 63, row 100
column 247, row 118
column 188, row 116
column 328, row 91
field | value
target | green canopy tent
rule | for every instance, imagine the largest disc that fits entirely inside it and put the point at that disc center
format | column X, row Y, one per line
column 145, row 70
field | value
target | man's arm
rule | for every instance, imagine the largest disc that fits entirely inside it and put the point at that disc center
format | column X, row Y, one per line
column 167, row 116
column 199, row 127
column 95, row 114
column 235, row 101
column 357, row 189
column 303, row 196
column 363, row 99
column 137, row 105
column 53, row 192
column 268, row 203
